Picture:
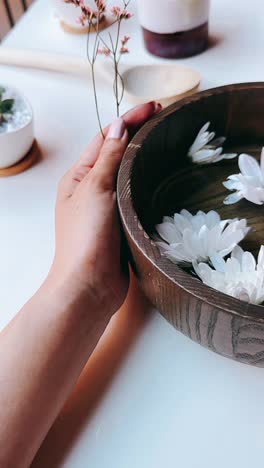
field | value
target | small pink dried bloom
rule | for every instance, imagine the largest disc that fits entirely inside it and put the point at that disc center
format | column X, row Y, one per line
column 126, row 15
column 104, row 51
column 101, row 5
column 120, row 14
column 116, row 11
column 124, row 50
column 125, row 40
column 81, row 20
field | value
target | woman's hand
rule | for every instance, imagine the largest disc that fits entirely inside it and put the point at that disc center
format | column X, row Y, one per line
column 88, row 260
column 47, row 344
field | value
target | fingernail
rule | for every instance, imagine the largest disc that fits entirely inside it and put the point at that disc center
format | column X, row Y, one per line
column 117, row 129
column 157, row 106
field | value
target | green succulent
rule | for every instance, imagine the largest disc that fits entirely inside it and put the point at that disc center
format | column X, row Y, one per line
column 6, row 106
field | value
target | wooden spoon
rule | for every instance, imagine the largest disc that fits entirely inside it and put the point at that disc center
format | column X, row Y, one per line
column 165, row 83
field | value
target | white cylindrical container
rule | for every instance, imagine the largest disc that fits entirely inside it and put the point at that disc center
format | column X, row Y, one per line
column 174, row 28
column 16, row 131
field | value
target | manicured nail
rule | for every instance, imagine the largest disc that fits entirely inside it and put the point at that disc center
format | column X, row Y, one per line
column 158, row 107
column 117, row 129
column 155, row 105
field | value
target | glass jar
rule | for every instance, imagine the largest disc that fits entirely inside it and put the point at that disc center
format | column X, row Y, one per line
column 174, row 28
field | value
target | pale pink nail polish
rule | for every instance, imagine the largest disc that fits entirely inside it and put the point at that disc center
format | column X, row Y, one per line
column 158, row 107
column 117, row 129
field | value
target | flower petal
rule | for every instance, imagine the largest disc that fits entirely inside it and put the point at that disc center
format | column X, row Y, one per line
column 212, row 219
column 230, row 185
column 218, row 263
column 261, row 257
column 206, row 155
column 249, row 166
column 254, row 195
column 201, row 140
column 188, row 243
column 203, row 238
column 203, row 271
column 262, row 162
column 226, row 156
column 211, row 137
column 248, row 262
column 234, row 177
column 198, row 221
column 230, row 155
column 181, row 222
column 204, row 128
column 232, row 267
column 167, row 232
column 213, row 239
column 180, row 254
column 238, row 253
column 186, row 214
column 168, row 219
column 217, row 142
column 242, row 294
column 233, row 198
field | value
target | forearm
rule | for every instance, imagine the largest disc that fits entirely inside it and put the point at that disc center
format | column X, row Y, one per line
column 45, row 347
column 43, row 351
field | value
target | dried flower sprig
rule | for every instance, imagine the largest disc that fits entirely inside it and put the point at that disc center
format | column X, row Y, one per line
column 113, row 47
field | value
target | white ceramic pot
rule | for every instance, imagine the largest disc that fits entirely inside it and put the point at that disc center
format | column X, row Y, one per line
column 68, row 13
column 16, row 142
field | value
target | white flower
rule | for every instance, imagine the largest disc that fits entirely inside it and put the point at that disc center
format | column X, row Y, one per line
column 207, row 149
column 188, row 238
column 238, row 276
column 249, row 183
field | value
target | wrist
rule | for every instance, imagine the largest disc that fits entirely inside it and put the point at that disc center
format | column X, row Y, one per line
column 70, row 291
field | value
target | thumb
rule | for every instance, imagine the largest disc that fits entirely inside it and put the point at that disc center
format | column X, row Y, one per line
column 106, row 168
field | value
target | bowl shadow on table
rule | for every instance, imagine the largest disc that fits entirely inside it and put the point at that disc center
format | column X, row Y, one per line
column 96, row 378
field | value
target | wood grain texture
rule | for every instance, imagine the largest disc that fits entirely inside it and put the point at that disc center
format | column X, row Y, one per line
column 156, row 179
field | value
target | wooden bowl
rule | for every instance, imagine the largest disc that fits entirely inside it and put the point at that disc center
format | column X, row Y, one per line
column 156, row 179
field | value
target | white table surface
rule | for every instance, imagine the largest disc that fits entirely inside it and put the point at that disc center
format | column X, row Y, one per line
column 150, row 397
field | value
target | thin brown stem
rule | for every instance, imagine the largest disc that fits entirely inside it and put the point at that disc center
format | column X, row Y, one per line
column 116, row 67
column 96, row 101
column 88, row 44
column 122, row 88
column 114, row 53
column 92, row 64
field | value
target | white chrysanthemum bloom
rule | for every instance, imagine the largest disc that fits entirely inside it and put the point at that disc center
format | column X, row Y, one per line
column 239, row 276
column 207, row 149
column 187, row 238
column 249, row 183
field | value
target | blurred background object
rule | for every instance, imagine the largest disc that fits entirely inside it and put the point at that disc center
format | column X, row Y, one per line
column 10, row 12
column 69, row 15
column 174, row 28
